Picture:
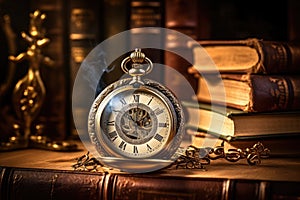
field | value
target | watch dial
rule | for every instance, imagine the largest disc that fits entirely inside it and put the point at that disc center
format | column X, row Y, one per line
column 135, row 122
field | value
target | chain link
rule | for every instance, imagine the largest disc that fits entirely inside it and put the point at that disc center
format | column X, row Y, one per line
column 197, row 158
column 193, row 157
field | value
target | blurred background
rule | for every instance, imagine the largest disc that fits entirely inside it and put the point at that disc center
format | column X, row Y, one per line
column 75, row 27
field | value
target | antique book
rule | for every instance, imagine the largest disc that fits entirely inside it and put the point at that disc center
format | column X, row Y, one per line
column 253, row 92
column 230, row 122
column 30, row 183
column 251, row 55
column 38, row 174
column 21, row 183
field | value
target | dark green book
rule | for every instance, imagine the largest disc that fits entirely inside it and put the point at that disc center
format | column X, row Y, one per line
column 230, row 122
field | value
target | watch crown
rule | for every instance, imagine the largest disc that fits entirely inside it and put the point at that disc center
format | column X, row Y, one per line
column 140, row 65
column 137, row 56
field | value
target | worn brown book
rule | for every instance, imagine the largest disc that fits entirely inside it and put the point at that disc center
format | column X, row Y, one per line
column 29, row 183
column 251, row 55
column 253, row 92
column 21, row 183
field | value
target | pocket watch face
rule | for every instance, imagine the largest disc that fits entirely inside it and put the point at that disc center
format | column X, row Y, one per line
column 135, row 122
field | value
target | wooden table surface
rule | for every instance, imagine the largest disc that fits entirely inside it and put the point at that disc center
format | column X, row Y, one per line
column 277, row 169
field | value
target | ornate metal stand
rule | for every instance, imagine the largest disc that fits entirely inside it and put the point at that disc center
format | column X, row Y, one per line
column 29, row 92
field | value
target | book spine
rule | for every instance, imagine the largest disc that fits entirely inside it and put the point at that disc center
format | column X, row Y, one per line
column 3, row 188
column 282, row 190
column 266, row 92
column 177, row 19
column 139, row 187
column 276, row 57
column 274, row 93
column 147, row 187
column 53, row 117
column 120, row 15
column 113, row 20
column 114, row 17
column 145, row 13
column 83, row 20
column 134, row 14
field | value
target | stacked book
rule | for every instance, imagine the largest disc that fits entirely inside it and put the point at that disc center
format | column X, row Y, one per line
column 261, row 85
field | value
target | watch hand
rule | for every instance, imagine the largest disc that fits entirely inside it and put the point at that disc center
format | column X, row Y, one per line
column 136, row 111
column 129, row 117
column 130, row 127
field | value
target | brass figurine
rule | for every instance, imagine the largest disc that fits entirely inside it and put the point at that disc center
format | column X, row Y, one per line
column 29, row 92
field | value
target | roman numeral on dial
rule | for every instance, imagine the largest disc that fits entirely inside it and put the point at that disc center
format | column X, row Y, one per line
column 150, row 101
column 163, row 125
column 122, row 145
column 158, row 137
column 123, row 101
column 113, row 135
column 135, row 149
column 136, row 98
column 149, row 148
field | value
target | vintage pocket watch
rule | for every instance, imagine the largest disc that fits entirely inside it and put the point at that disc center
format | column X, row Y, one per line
column 136, row 124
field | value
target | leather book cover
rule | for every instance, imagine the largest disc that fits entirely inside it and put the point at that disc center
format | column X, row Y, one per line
column 252, row 55
column 52, row 184
column 254, row 92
